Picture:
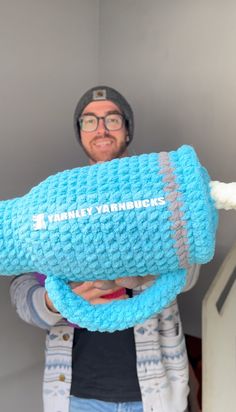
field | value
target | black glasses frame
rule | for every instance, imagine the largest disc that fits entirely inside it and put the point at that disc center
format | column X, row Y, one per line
column 104, row 121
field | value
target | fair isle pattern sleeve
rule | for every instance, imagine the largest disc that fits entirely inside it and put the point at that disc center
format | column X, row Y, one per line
column 162, row 362
column 58, row 368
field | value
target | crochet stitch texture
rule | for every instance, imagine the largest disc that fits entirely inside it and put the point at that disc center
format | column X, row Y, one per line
column 151, row 213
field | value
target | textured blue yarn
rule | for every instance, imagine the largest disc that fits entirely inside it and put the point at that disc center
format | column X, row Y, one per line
column 110, row 220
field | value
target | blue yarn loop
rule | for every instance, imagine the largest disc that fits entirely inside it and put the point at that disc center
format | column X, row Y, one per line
column 116, row 315
column 146, row 214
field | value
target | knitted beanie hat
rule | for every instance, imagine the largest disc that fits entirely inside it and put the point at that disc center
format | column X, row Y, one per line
column 99, row 93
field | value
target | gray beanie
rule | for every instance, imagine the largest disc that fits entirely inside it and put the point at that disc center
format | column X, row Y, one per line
column 104, row 93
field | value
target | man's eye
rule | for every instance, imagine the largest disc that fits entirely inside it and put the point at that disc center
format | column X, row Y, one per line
column 89, row 121
column 113, row 120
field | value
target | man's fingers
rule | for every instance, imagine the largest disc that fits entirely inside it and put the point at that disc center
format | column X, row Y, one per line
column 83, row 286
column 96, row 293
column 89, row 292
column 100, row 287
column 133, row 282
column 104, row 284
column 128, row 282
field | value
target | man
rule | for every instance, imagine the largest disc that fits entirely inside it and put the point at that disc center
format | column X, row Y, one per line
column 141, row 369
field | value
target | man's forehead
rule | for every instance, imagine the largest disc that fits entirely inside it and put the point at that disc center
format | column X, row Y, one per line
column 101, row 106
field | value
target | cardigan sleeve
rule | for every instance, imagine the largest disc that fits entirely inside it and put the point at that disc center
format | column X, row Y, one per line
column 28, row 297
column 192, row 277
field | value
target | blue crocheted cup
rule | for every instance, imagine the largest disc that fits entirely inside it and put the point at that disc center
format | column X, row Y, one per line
column 147, row 214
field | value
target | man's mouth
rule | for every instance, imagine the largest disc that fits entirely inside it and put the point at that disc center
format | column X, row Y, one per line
column 103, row 142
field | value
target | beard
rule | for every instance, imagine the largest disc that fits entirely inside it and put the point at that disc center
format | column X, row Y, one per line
column 103, row 156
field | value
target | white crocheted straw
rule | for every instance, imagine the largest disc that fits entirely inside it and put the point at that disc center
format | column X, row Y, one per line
column 224, row 195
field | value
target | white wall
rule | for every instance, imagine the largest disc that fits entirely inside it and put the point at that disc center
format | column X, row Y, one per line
column 49, row 57
column 176, row 62
column 48, row 53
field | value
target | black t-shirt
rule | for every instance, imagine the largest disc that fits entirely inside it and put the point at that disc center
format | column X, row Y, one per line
column 104, row 366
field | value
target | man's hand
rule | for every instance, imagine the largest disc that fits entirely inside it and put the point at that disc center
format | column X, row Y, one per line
column 95, row 292
column 126, row 282
column 91, row 293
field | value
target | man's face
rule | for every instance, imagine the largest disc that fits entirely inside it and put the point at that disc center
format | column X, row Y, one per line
column 102, row 145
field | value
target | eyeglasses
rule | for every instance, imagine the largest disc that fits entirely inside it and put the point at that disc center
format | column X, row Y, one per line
column 112, row 122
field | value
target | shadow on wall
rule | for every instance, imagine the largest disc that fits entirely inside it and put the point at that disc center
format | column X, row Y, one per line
column 25, row 390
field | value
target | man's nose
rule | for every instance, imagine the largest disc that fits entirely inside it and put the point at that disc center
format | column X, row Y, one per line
column 101, row 126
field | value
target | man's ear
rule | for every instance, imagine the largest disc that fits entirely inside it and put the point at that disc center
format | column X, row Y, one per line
column 127, row 139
